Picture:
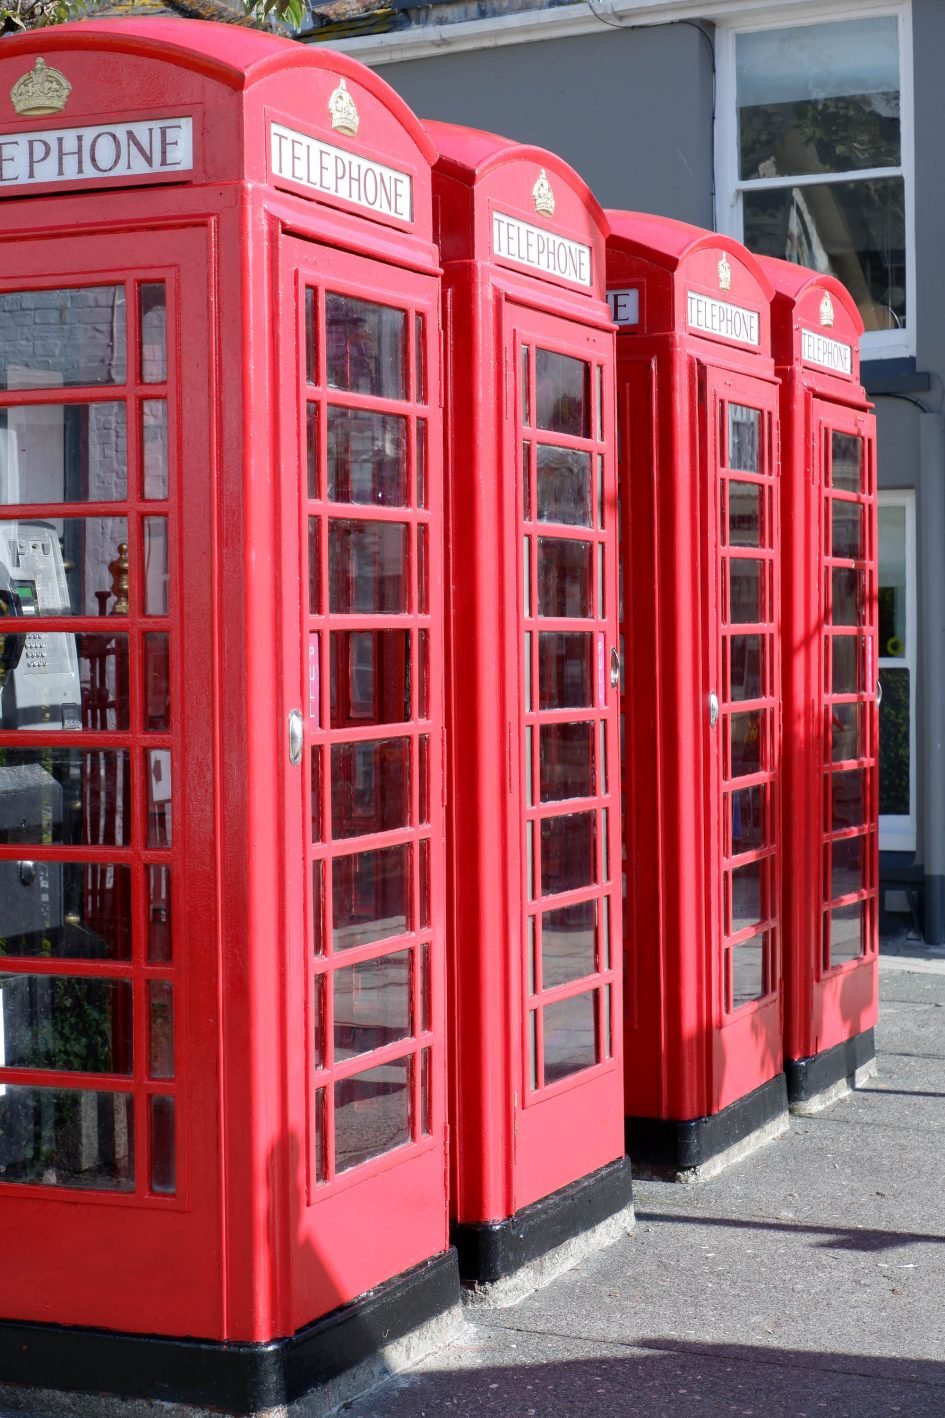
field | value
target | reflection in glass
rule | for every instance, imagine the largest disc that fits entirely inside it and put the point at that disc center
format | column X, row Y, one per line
column 423, row 569
column 565, row 674
column 745, row 503
column 846, row 663
column 847, row 731
column 320, row 1140
column 372, row 1004
column 854, row 230
column 62, row 337
column 370, row 787
column 848, row 596
column 566, row 761
column 154, row 447
column 65, row 910
column 894, row 731
column 424, row 995
column 367, row 458
column 367, row 567
column 846, row 933
column 319, row 992
column 562, row 394
column 746, row 583
column 568, row 852
column 847, row 866
column 744, row 440
column 311, row 336
column 311, row 450
column 533, row 1049
column 746, row 676
column 160, row 821
column 370, row 896
column 748, row 971
column 848, row 800
column 366, row 347
column 64, row 452
column 564, row 486
column 419, row 381
column 163, row 1153
column 67, row 1137
column 892, row 582
column 847, row 529
column 570, row 1028
column 846, row 462
column 370, row 677
column 66, row 1022
column 526, row 400
column 421, row 457
column 160, row 940
column 568, row 938
column 564, row 577
column 746, row 743
column 426, row 1093
column 423, row 905
column 64, row 681
column 61, row 567
column 748, row 819
column 156, row 567
column 152, row 312
column 157, row 681
column 747, row 903
column 372, row 1114
column 160, row 1029
column 316, row 792
column 67, row 795
column 423, row 757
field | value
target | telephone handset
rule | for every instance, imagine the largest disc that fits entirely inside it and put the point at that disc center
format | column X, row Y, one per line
column 41, row 687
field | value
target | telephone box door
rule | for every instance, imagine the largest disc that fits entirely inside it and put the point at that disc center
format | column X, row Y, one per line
column 743, row 729
column 844, row 993
column 108, row 992
column 363, row 486
column 567, row 768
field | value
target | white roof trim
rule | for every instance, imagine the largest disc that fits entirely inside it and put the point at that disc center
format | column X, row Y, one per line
column 565, row 21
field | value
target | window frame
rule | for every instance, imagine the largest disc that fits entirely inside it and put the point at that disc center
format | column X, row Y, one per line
column 897, row 833
column 876, row 344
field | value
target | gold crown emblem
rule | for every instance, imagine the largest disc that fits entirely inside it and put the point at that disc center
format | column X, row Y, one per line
column 42, row 90
column 826, row 310
column 543, row 195
column 725, row 273
column 343, row 111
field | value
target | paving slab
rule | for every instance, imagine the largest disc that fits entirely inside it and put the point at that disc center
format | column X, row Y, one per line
column 912, row 986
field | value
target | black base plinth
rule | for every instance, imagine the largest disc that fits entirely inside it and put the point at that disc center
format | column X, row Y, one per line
column 236, row 1378
column 491, row 1250
column 665, row 1146
column 806, row 1078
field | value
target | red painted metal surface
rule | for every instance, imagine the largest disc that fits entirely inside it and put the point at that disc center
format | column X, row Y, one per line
column 534, row 773
column 697, row 406
column 831, row 800
column 302, row 1047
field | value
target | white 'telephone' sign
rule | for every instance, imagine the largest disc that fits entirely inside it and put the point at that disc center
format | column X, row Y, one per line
column 830, row 354
column 545, row 251
column 157, row 148
column 337, row 173
column 720, row 317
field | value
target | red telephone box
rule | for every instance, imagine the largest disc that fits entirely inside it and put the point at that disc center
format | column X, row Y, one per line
column 698, row 417
column 222, row 1077
column 532, row 705
column 831, row 802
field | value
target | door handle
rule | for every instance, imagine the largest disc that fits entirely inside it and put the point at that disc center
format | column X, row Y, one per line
column 296, row 737
column 713, row 708
column 879, row 691
column 614, row 668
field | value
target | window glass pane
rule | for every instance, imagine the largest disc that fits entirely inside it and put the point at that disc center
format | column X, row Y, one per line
column 568, row 852
column 570, row 1036
column 847, row 866
column 748, row 905
column 847, row 661
column 367, row 567
column 847, row 933
column 372, row 1114
column 744, row 442
column 565, row 675
column 370, row 787
column 61, row 681
column 745, row 505
column 160, row 943
column 894, row 713
column 568, row 939
column 566, row 761
column 370, row 677
column 66, row 795
column 564, row 486
column 152, row 309
column 366, row 347
column 67, row 1023
column 160, row 1029
column 848, row 596
column 63, row 567
column 156, row 566
column 67, row 910
column 846, row 529
column 160, row 798
column 367, row 458
column 565, row 584
column 748, row 971
column 846, row 462
column 311, row 336
column 163, row 1158
column 370, row 896
column 747, row 667
column 848, row 801
column 818, row 98
column 748, row 819
column 892, row 582
column 372, row 1004
column 62, row 337
column 747, row 732
column 67, row 1137
column 311, row 449
column 154, row 447
column 563, row 394
column 746, row 591
column 855, row 231
column 68, row 452
column 847, row 724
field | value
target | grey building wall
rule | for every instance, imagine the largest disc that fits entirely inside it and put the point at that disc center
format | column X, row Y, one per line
column 630, row 109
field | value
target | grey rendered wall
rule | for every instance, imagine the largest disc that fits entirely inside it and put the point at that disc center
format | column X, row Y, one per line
column 631, row 110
